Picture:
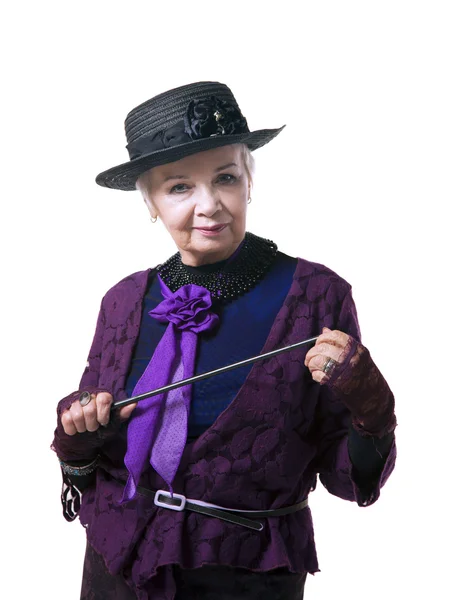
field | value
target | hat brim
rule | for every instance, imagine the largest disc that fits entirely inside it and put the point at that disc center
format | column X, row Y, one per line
column 124, row 176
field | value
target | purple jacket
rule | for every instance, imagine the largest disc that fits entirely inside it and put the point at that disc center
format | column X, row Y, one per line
column 264, row 451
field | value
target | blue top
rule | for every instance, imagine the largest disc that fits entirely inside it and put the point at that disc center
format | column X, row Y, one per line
column 244, row 327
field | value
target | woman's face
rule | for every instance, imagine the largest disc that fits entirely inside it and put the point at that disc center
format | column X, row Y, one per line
column 202, row 201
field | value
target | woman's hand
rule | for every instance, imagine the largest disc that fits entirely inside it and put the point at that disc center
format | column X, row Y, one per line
column 355, row 380
column 78, row 419
column 330, row 344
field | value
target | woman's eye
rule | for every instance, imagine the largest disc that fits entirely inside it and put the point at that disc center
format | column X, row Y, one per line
column 227, row 178
column 176, row 188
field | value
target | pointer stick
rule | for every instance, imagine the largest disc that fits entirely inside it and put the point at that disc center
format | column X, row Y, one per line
column 195, row 378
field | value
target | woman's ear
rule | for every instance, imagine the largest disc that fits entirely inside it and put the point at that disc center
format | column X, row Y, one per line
column 151, row 207
column 142, row 184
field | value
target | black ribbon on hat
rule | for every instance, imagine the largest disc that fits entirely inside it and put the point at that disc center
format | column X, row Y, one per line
column 208, row 117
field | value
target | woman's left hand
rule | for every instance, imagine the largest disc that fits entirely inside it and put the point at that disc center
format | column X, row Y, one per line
column 358, row 382
column 330, row 344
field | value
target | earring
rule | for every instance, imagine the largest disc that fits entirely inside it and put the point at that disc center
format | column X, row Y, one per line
column 249, row 200
column 153, row 220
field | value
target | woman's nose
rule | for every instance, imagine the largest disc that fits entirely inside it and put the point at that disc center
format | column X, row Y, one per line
column 207, row 202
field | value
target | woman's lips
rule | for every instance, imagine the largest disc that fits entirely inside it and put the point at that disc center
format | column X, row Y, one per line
column 211, row 230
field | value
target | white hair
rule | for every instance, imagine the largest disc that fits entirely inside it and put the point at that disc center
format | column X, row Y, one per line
column 142, row 183
column 249, row 162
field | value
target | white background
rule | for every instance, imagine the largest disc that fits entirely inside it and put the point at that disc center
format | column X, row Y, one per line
column 358, row 181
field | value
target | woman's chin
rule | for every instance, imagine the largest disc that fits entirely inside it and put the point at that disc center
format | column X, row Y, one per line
column 208, row 249
column 202, row 240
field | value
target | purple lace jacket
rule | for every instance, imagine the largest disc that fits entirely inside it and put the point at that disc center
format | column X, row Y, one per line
column 264, row 451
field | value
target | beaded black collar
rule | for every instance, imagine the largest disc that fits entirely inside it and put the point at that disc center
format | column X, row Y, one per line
column 233, row 278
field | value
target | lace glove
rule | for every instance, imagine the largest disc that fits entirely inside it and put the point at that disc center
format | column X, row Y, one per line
column 355, row 380
column 82, row 447
column 79, row 453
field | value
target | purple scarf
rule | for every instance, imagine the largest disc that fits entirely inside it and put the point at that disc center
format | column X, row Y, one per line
column 157, row 431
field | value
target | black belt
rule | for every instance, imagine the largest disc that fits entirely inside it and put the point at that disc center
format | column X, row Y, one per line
column 179, row 502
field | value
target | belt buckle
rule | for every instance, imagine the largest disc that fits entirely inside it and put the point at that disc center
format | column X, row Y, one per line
column 177, row 507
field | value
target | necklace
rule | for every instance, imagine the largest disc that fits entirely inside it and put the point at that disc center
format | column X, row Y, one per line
column 233, row 279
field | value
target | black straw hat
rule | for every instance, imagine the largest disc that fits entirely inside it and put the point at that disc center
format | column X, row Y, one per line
column 178, row 123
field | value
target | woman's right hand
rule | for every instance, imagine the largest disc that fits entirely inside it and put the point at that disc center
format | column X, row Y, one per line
column 78, row 419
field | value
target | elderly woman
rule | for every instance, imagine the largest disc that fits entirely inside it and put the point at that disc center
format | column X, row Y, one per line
column 202, row 491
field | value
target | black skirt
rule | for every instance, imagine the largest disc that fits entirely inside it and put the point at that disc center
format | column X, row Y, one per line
column 205, row 583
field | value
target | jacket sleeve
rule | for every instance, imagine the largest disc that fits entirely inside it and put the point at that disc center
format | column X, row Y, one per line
column 83, row 447
column 357, row 449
